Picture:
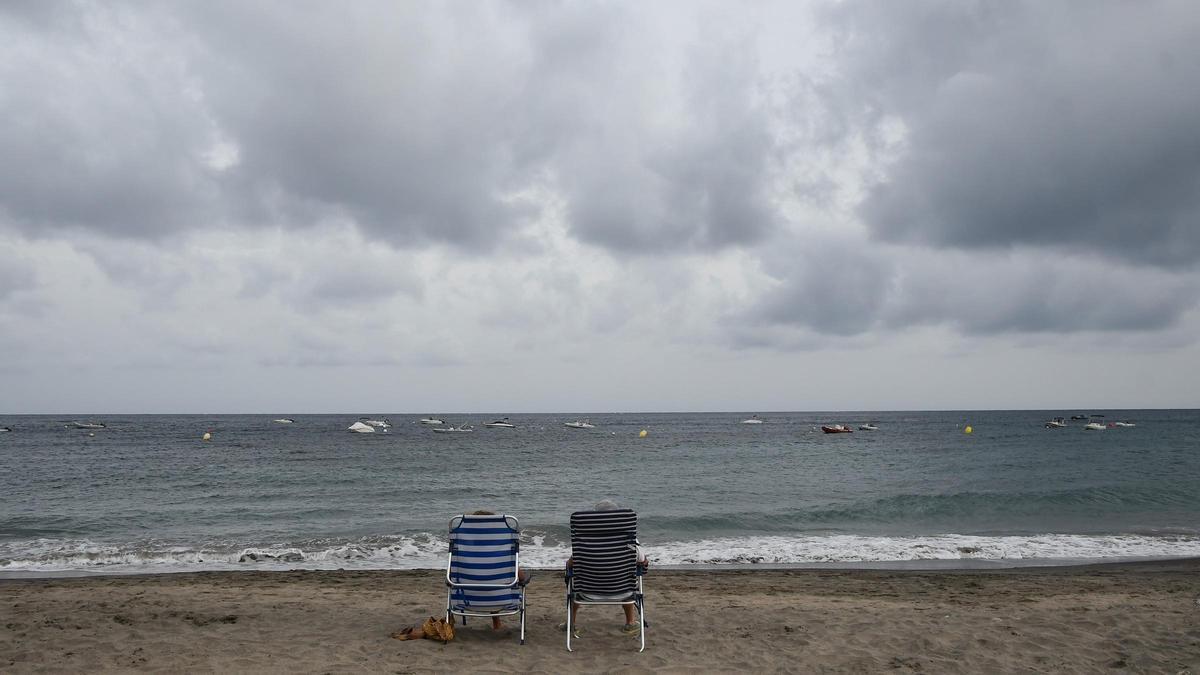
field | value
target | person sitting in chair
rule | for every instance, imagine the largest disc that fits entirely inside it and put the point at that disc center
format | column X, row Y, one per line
column 522, row 574
column 631, row 627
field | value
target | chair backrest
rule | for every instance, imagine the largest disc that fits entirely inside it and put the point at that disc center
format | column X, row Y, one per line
column 603, row 550
column 483, row 552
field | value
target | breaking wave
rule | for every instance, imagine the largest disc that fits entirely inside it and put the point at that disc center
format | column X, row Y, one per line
column 427, row 551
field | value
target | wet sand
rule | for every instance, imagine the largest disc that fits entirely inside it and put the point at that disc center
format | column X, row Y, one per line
column 1135, row 617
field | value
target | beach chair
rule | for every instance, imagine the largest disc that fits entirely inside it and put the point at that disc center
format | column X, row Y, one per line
column 604, row 568
column 482, row 577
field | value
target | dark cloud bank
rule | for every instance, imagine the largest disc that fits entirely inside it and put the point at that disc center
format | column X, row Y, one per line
column 1030, row 127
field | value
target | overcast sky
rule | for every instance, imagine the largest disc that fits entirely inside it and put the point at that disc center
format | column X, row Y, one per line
column 440, row 207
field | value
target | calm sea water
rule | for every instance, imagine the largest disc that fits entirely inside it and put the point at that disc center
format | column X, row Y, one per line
column 146, row 494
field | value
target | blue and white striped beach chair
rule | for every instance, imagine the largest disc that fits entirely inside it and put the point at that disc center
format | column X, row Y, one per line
column 604, row 568
column 482, row 576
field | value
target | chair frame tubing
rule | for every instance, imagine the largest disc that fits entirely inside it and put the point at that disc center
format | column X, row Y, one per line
column 638, row 601
column 515, row 583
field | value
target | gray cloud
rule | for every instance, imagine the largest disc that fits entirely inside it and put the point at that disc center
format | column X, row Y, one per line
column 421, row 123
column 701, row 186
column 833, row 288
column 97, row 134
column 16, row 275
column 1069, row 126
column 837, row 289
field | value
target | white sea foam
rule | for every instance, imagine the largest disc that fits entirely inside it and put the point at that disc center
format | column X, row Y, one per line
column 428, row 551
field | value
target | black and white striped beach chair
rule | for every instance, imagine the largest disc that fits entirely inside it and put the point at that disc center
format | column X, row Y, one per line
column 604, row 568
column 482, row 576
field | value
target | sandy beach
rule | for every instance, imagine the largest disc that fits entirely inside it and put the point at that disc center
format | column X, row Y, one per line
column 1137, row 617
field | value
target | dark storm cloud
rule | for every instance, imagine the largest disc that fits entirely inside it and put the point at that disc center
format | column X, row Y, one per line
column 1070, row 125
column 419, row 122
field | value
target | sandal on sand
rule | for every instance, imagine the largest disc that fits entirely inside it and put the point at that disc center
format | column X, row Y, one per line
column 631, row 629
column 575, row 630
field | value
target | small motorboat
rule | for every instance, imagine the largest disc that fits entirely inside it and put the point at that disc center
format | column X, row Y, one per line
column 868, row 427
column 88, row 425
column 378, row 424
column 1079, row 417
column 1124, row 424
column 836, row 429
column 753, row 420
column 284, row 420
column 460, row 429
column 360, row 428
column 1093, row 426
column 579, row 424
column 3, row 429
column 501, row 424
column 431, row 420
column 1056, row 423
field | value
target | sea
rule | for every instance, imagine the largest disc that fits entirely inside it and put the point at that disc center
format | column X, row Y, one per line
column 146, row 493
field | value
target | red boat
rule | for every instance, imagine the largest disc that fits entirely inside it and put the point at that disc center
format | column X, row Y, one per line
column 837, row 429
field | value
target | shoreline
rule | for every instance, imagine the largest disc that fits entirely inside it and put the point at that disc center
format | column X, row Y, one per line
column 962, row 565
column 1140, row 616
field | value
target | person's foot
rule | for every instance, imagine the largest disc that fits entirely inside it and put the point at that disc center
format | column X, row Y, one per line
column 631, row 629
column 575, row 629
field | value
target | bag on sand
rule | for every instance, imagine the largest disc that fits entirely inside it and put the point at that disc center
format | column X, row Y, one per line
column 432, row 629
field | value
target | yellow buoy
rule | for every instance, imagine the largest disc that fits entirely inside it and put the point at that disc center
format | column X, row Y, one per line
column 206, row 437
column 642, row 433
column 968, row 429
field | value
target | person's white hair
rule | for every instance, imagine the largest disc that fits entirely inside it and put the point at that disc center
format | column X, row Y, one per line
column 606, row 505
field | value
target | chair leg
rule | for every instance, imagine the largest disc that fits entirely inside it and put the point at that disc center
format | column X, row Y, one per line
column 641, row 608
column 569, row 626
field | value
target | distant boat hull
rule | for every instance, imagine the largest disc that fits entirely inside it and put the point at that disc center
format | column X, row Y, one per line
column 868, row 427
column 360, row 428
column 284, row 420
column 837, row 429
column 431, row 420
column 579, row 425
column 88, row 425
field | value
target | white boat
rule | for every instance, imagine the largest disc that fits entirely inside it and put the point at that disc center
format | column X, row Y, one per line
column 1056, row 423
column 579, row 424
column 501, row 424
column 753, row 420
column 431, row 420
column 868, row 427
column 460, row 429
column 1093, row 426
column 2, row 429
column 379, row 424
column 284, row 420
column 360, row 428
column 88, row 425
column 1124, row 424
